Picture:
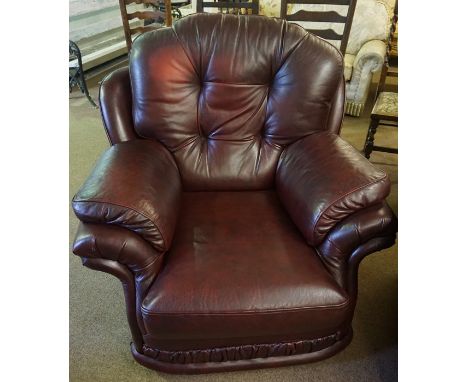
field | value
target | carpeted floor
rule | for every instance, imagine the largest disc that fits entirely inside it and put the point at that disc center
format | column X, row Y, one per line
column 99, row 334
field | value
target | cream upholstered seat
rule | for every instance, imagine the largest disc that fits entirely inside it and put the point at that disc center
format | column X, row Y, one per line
column 386, row 104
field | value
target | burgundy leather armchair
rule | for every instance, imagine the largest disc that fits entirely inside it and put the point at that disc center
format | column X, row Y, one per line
column 229, row 207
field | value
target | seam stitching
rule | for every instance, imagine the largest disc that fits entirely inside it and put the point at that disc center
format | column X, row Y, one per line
column 344, row 196
column 186, row 54
column 247, row 312
column 335, row 246
column 129, row 208
column 293, row 49
column 157, row 257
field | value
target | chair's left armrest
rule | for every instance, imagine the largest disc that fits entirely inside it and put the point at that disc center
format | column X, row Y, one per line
column 321, row 180
column 128, row 209
column 110, row 242
column 120, row 248
column 135, row 185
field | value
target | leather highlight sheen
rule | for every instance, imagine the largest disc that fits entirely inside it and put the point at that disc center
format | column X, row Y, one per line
column 116, row 106
column 224, row 112
column 134, row 185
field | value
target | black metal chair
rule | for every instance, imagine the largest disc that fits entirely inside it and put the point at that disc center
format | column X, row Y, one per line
column 75, row 71
column 175, row 5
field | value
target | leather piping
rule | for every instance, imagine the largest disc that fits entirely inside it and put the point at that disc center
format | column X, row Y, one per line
column 137, row 212
column 106, row 128
column 248, row 312
column 385, row 176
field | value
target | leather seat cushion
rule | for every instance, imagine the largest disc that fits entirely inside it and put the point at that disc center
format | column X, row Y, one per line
column 239, row 273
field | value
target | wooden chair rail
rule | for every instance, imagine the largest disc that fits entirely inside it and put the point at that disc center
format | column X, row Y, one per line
column 142, row 29
column 146, row 15
column 143, row 15
column 330, row 16
column 323, row 16
column 327, row 34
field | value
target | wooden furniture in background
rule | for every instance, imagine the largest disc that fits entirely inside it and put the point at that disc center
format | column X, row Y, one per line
column 323, row 17
column 392, row 48
column 147, row 15
column 243, row 7
column 385, row 110
column 175, row 5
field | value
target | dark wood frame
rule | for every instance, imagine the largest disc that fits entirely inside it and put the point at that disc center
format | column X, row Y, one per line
column 326, row 16
column 226, row 4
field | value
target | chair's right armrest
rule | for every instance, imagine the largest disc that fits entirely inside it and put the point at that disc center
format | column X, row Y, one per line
column 135, row 185
column 115, row 101
column 321, row 180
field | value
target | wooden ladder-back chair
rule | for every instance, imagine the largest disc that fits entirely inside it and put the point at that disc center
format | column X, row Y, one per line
column 320, row 16
column 243, row 7
column 146, row 15
column 385, row 110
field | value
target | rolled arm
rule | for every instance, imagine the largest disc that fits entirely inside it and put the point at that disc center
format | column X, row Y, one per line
column 371, row 56
column 369, row 59
column 114, row 243
column 366, row 231
column 321, row 180
column 135, row 185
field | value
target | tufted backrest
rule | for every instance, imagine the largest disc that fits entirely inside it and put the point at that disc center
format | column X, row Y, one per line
column 225, row 94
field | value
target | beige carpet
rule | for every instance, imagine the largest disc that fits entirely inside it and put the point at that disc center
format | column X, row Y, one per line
column 99, row 335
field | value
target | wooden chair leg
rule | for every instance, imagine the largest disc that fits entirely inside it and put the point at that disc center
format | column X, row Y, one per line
column 369, row 144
